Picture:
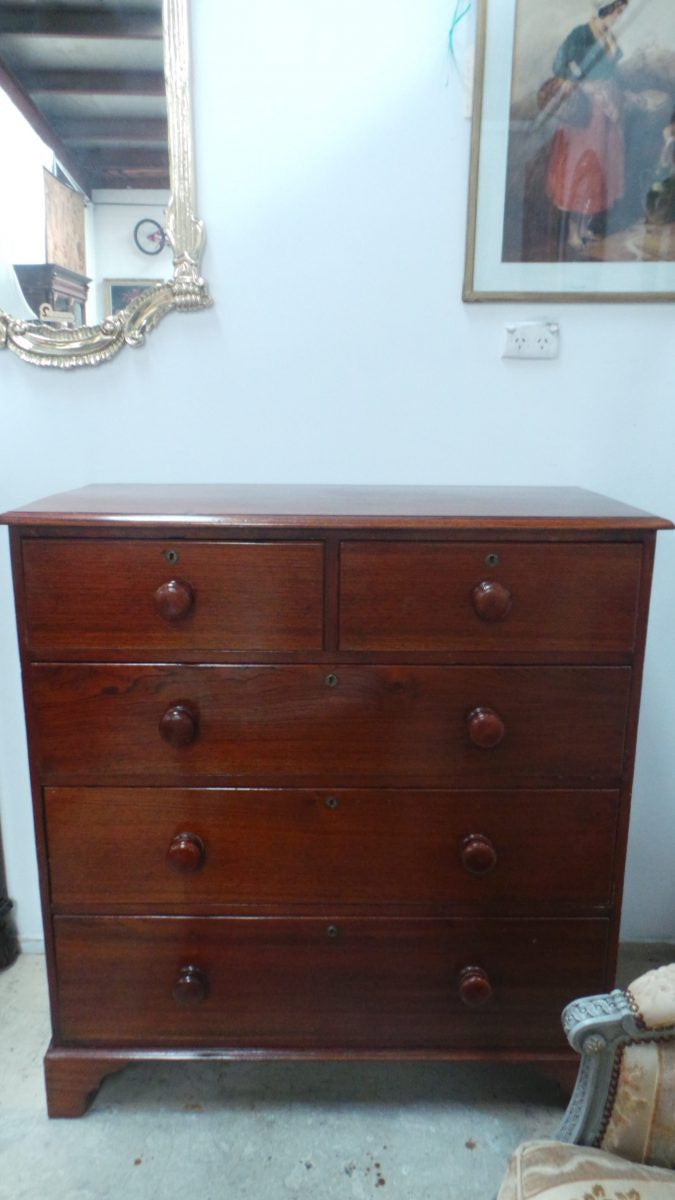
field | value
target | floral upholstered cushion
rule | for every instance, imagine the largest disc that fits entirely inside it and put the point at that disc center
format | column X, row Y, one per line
column 652, row 997
column 641, row 1119
column 558, row 1171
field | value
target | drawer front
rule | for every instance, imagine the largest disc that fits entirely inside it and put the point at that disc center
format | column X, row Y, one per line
column 182, row 848
column 556, row 726
column 285, row 724
column 439, row 596
column 305, row 983
column 124, row 596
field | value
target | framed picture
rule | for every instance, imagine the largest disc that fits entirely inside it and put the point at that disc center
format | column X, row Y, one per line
column 572, row 188
column 117, row 293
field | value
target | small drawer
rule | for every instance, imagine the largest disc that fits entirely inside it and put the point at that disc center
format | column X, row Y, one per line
column 476, row 727
column 444, row 596
column 128, row 597
column 179, row 848
column 308, row 983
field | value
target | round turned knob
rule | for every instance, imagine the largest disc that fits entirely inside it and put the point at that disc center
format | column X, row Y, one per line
column 485, row 727
column 478, row 855
column 173, row 600
column 186, row 852
column 191, row 986
column 491, row 600
column 475, row 988
column 178, row 725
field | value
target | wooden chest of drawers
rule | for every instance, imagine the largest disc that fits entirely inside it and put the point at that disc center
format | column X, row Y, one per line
column 327, row 772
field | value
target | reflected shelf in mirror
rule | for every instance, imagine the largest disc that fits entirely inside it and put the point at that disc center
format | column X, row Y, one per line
column 88, row 188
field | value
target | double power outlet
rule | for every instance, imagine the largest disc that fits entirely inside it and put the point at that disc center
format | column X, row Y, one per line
column 532, row 339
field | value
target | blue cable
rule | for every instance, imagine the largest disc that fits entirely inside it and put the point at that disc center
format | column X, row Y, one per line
column 457, row 17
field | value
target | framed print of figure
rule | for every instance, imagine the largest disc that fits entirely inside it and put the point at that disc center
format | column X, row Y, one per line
column 572, row 189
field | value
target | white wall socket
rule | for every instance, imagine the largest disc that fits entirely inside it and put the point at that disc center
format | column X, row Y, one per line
column 532, row 339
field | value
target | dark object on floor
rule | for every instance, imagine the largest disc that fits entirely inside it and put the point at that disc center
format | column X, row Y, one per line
column 9, row 942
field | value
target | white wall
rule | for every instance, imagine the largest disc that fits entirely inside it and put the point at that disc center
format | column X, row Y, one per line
column 332, row 158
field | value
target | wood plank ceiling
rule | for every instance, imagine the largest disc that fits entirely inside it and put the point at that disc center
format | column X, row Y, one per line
column 89, row 76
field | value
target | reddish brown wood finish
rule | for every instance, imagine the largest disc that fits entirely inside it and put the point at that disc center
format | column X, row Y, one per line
column 492, row 600
column 96, row 595
column 72, row 1080
column 390, row 847
column 485, row 728
column 291, row 724
column 442, row 596
column 478, row 855
column 179, row 725
column 327, row 866
column 174, row 600
column 474, row 987
column 157, row 505
column 186, row 853
column 191, row 986
column 284, row 983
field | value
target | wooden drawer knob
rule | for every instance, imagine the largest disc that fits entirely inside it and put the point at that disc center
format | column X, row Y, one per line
column 491, row 600
column 485, row 727
column 478, row 855
column 178, row 725
column 186, row 853
column 173, row 600
column 191, row 986
column 475, row 988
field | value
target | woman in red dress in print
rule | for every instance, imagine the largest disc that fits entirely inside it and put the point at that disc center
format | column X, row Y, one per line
column 586, row 166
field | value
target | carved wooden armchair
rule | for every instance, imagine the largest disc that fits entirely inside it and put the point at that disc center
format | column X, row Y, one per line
column 617, row 1138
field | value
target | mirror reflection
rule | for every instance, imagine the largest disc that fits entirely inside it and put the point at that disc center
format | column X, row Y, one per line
column 86, row 164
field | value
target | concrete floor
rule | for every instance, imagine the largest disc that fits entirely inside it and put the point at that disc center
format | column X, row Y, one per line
column 265, row 1131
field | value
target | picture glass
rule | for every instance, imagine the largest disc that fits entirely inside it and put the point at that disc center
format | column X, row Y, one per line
column 573, row 173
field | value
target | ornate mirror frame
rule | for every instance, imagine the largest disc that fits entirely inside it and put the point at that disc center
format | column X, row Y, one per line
column 186, row 291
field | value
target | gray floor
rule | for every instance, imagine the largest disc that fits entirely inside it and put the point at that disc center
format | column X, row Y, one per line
column 264, row 1131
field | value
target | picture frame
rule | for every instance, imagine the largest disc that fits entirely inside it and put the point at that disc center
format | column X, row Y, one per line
column 118, row 293
column 572, row 204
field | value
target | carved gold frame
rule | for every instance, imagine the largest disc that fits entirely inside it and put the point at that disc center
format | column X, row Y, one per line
column 186, row 290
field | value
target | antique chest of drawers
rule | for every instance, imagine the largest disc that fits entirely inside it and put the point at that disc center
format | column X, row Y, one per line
column 327, row 772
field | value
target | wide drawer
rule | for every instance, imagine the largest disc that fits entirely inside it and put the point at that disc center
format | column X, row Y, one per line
column 335, row 983
column 129, row 596
column 185, row 847
column 438, row 596
column 363, row 725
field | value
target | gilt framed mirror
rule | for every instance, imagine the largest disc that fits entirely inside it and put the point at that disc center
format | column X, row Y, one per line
column 98, row 188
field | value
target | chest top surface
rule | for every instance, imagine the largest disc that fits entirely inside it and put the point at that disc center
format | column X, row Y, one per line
column 338, row 506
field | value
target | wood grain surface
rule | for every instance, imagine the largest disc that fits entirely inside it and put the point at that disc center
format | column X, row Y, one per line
column 109, row 847
column 279, row 982
column 355, row 726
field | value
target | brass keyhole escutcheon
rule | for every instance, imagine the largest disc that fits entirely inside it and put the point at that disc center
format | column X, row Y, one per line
column 492, row 560
column 171, row 556
column 331, row 801
column 331, row 681
column 332, row 931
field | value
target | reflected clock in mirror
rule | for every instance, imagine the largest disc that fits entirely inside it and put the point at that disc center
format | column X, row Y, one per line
column 97, row 134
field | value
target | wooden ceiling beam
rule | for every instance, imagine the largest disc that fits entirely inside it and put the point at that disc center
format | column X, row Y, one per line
column 148, row 158
column 103, row 83
column 138, row 178
column 60, row 21
column 102, row 129
column 42, row 127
